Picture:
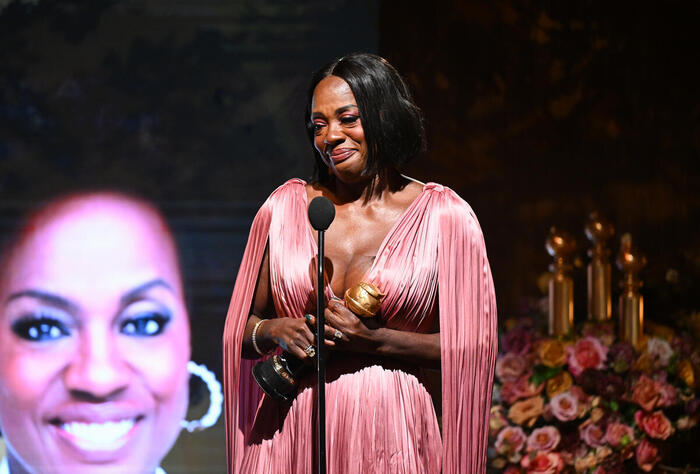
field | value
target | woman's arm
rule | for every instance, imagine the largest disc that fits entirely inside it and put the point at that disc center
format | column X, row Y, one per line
column 419, row 348
column 292, row 334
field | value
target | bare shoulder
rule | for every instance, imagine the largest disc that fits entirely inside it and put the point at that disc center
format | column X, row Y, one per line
column 410, row 191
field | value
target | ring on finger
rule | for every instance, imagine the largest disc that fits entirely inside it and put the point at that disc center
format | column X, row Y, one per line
column 310, row 351
column 338, row 335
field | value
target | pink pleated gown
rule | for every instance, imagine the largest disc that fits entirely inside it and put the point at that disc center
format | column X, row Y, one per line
column 379, row 415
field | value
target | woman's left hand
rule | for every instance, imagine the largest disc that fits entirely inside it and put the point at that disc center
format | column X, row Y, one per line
column 346, row 330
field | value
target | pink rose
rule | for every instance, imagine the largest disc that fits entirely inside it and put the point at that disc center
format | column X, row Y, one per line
column 564, row 406
column 543, row 439
column 645, row 394
column 656, row 425
column 647, row 455
column 592, row 434
column 510, row 442
column 509, row 367
column 668, row 394
column 659, row 350
column 521, row 388
column 587, row 353
column 619, row 434
column 542, row 463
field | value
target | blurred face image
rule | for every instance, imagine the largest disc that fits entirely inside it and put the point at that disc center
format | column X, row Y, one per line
column 94, row 340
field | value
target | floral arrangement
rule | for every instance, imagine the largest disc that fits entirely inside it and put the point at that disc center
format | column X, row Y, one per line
column 588, row 403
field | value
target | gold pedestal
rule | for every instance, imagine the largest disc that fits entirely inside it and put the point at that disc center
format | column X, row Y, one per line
column 561, row 305
column 631, row 318
column 560, row 245
column 599, row 300
column 630, row 261
column 598, row 230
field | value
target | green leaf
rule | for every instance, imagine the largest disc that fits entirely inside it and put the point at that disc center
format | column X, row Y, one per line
column 542, row 373
column 614, row 406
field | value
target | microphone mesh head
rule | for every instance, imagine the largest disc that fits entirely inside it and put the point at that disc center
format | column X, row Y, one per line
column 321, row 213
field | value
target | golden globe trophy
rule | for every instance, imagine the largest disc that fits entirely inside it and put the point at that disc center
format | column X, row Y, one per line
column 630, row 261
column 364, row 299
column 560, row 245
column 598, row 230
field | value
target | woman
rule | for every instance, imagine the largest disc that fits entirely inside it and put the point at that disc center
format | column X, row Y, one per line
column 94, row 339
column 420, row 244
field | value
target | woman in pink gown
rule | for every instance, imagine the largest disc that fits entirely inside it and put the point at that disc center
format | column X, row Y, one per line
column 420, row 244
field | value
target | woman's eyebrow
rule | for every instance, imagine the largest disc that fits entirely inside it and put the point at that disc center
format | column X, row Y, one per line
column 338, row 111
column 46, row 297
column 344, row 108
column 135, row 293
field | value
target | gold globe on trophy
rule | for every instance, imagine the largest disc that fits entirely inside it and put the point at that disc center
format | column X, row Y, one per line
column 364, row 299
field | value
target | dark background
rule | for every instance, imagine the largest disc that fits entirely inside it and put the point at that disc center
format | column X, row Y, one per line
column 537, row 114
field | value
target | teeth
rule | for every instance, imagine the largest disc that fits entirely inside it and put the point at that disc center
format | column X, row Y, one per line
column 98, row 435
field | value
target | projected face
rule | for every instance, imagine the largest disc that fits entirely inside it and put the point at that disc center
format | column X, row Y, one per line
column 94, row 340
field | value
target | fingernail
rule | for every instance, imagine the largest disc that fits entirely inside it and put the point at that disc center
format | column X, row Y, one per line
column 307, row 317
column 336, row 298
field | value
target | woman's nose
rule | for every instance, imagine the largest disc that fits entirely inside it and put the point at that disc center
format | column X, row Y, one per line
column 334, row 134
column 98, row 370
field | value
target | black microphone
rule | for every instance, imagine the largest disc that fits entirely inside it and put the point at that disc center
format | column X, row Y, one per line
column 321, row 214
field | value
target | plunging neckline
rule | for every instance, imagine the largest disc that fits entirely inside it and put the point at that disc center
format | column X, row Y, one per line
column 384, row 242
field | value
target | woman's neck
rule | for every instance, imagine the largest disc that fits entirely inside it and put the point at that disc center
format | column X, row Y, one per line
column 366, row 190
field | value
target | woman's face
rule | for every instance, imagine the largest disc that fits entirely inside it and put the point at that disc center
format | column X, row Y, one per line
column 94, row 342
column 338, row 134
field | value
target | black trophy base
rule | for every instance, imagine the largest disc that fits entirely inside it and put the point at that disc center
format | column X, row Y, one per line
column 277, row 376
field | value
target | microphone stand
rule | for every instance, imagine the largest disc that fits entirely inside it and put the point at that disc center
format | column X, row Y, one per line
column 321, row 214
column 320, row 357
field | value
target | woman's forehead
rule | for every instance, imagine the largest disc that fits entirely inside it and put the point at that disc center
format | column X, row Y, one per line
column 103, row 238
column 332, row 91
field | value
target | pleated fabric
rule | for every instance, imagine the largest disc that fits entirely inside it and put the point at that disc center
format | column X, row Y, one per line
column 379, row 416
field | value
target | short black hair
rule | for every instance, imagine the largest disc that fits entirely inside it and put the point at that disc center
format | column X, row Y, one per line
column 392, row 122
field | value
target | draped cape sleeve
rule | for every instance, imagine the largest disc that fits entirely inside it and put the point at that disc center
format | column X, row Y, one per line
column 468, row 334
column 242, row 395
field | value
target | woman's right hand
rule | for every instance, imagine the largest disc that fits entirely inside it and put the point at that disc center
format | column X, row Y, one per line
column 291, row 334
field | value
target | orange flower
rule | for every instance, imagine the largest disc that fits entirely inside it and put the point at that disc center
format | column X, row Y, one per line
column 526, row 411
column 645, row 393
column 560, row 383
column 552, row 353
column 686, row 373
column 643, row 363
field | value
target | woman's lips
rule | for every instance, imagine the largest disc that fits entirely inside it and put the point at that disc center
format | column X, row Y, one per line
column 339, row 155
column 96, row 432
column 99, row 442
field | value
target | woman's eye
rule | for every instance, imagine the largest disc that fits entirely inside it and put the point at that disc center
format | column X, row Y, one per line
column 145, row 325
column 317, row 127
column 349, row 119
column 39, row 329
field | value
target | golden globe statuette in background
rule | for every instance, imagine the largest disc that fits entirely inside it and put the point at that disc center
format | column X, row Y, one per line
column 364, row 299
column 560, row 245
column 631, row 261
column 598, row 230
